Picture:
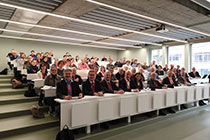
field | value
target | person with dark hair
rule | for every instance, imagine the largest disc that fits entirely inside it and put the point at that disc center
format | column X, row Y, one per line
column 60, row 68
column 138, row 81
column 159, row 71
column 100, row 75
column 72, row 63
column 33, row 68
column 46, row 62
column 33, row 55
column 42, row 74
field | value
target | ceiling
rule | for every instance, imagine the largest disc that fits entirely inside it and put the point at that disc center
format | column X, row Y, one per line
column 102, row 25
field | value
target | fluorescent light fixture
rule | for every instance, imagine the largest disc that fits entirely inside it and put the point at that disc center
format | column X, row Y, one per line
column 77, row 32
column 203, row 3
column 89, row 22
column 59, row 42
column 146, row 17
column 67, row 38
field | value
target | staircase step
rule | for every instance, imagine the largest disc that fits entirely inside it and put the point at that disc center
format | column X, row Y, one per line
column 6, row 76
column 23, row 124
column 44, row 134
column 19, row 109
column 10, row 91
column 7, row 85
column 13, row 99
column 4, row 80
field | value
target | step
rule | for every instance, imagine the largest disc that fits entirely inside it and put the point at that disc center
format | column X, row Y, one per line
column 44, row 134
column 13, row 99
column 4, row 80
column 11, row 110
column 23, row 124
column 10, row 91
column 6, row 85
column 6, row 76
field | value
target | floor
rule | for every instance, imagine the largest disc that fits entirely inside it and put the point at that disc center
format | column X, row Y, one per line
column 188, row 125
column 194, row 125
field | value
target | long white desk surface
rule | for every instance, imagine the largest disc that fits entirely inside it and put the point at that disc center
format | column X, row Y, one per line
column 91, row 110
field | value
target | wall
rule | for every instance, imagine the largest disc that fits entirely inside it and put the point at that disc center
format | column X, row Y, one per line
column 139, row 54
column 59, row 50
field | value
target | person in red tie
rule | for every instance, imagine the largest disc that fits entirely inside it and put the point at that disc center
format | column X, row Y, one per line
column 169, row 81
column 138, row 81
column 155, row 84
column 108, row 86
column 127, row 84
column 92, row 86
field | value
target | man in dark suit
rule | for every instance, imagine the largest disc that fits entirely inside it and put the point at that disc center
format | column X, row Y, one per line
column 108, row 86
column 76, row 78
column 155, row 84
column 67, row 88
column 183, row 79
column 169, row 81
column 127, row 84
column 194, row 73
column 120, row 75
column 92, row 86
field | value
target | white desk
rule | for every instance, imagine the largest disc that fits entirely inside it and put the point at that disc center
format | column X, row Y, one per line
column 91, row 110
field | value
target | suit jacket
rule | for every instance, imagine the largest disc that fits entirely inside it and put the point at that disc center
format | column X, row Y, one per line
column 151, row 84
column 167, row 82
column 62, row 89
column 191, row 74
column 182, row 81
column 119, row 77
column 105, row 87
column 87, row 90
column 159, row 72
column 123, row 85
column 32, row 69
column 173, row 76
column 79, row 77
column 141, row 86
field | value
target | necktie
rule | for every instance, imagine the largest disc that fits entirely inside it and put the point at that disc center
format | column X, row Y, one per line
column 109, row 85
column 93, row 86
column 171, row 81
column 156, row 85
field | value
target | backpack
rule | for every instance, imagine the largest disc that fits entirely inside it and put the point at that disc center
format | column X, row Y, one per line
column 30, row 92
column 65, row 134
column 4, row 71
column 37, row 112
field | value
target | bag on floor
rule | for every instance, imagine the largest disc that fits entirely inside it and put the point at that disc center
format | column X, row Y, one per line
column 4, row 71
column 30, row 92
column 65, row 134
column 37, row 112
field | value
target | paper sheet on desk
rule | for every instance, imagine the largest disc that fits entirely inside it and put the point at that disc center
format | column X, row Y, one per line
column 48, row 88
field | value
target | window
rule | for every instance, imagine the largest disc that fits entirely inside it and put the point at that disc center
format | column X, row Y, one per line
column 201, row 57
column 176, row 55
column 157, row 56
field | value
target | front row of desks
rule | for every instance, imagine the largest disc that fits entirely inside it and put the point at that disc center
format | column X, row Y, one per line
column 90, row 110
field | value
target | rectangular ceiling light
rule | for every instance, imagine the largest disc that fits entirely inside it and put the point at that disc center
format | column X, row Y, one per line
column 60, row 42
column 77, row 32
column 67, row 38
column 147, row 17
column 91, row 23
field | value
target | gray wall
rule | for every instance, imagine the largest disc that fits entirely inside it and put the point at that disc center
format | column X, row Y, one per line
column 59, row 50
column 139, row 54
